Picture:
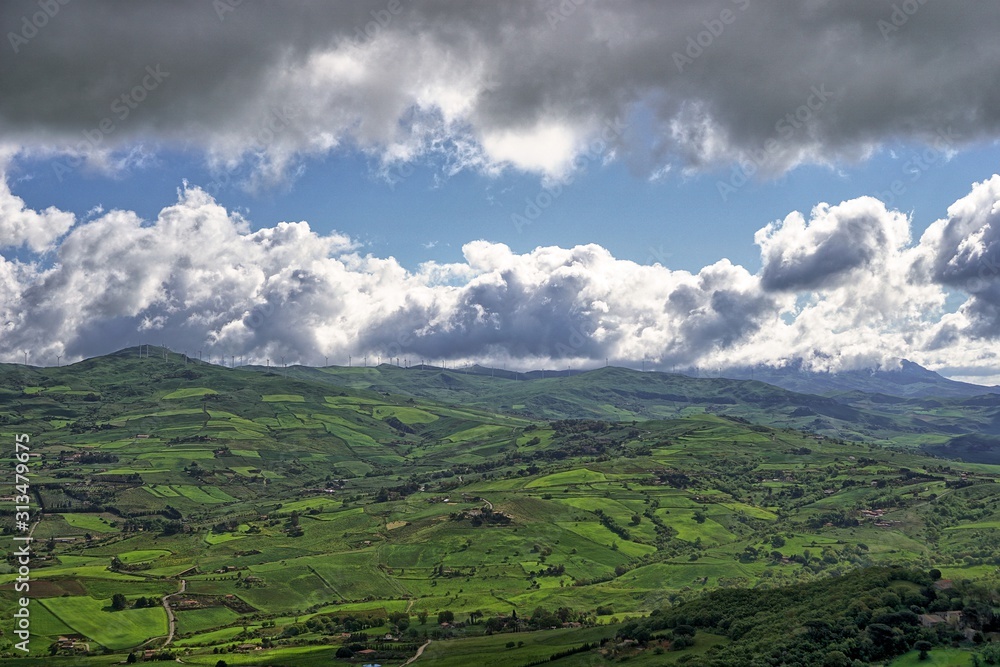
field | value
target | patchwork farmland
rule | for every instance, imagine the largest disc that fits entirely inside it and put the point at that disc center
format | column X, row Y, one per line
column 286, row 520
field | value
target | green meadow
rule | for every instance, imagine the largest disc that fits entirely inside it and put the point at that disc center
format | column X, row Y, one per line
column 327, row 509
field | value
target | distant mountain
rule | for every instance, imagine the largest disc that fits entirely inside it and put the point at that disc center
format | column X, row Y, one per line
column 125, row 388
column 909, row 381
column 622, row 394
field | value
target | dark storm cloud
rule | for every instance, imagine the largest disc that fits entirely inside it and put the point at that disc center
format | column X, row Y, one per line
column 722, row 79
column 527, row 85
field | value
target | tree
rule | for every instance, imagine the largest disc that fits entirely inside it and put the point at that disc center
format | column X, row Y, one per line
column 119, row 602
column 446, row 616
column 422, row 616
column 131, row 659
column 222, row 663
column 991, row 654
column 923, row 646
column 836, row 659
column 344, row 652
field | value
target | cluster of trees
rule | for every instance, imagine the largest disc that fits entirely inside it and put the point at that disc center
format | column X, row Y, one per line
column 88, row 424
column 292, row 527
column 540, row 619
column 117, row 565
column 326, row 624
column 226, row 526
column 97, row 457
column 119, row 602
column 608, row 522
column 860, row 618
column 399, row 425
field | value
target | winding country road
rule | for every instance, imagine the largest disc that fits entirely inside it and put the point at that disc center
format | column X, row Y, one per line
column 170, row 612
column 420, row 652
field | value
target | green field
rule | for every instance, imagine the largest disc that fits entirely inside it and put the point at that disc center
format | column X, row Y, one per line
column 189, row 392
column 91, row 522
column 938, row 657
column 142, row 555
column 115, row 630
column 295, row 511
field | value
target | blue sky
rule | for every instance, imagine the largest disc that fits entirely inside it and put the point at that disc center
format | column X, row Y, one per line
column 721, row 183
column 676, row 220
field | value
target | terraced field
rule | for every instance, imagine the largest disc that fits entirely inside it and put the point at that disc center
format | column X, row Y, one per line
column 297, row 513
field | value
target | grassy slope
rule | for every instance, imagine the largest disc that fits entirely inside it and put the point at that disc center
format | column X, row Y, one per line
column 258, row 458
column 623, row 394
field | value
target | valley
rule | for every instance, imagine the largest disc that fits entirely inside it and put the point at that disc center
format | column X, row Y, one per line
column 284, row 516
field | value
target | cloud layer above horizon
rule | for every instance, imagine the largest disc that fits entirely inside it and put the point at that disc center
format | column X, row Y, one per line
column 845, row 287
column 504, row 84
column 669, row 89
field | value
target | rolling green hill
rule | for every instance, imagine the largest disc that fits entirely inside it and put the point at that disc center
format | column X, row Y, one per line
column 326, row 509
column 621, row 394
column 910, row 380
